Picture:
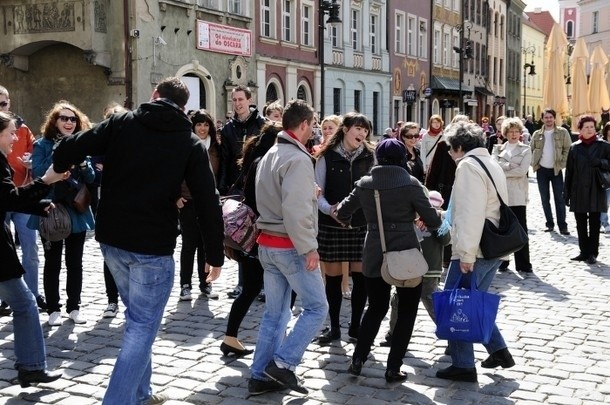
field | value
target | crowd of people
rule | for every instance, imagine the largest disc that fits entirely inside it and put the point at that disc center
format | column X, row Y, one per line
column 160, row 172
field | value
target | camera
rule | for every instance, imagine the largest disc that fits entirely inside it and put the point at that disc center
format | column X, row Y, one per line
column 134, row 33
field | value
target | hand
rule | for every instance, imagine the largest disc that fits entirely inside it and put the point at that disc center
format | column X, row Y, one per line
column 51, row 176
column 180, row 202
column 312, row 260
column 213, row 273
column 26, row 160
column 333, row 214
column 466, row 267
column 99, row 167
column 49, row 207
column 420, row 224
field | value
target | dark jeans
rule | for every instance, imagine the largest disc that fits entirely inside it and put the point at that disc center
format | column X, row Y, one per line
column 192, row 242
column 112, row 292
column 378, row 292
column 544, row 177
column 74, row 267
column 522, row 257
column 588, row 240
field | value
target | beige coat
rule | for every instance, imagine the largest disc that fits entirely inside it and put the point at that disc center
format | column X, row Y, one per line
column 515, row 166
column 473, row 200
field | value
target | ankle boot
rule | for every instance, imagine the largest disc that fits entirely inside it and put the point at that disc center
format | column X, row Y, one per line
column 501, row 357
column 26, row 378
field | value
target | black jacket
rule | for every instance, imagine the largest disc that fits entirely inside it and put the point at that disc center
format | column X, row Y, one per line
column 582, row 192
column 234, row 134
column 27, row 199
column 147, row 154
column 402, row 198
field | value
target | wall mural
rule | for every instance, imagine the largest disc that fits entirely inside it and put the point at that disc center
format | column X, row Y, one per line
column 45, row 17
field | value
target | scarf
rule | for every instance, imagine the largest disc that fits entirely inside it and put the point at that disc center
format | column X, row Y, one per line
column 350, row 156
column 435, row 132
column 587, row 141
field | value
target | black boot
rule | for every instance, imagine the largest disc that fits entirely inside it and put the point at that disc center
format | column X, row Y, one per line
column 26, row 378
column 501, row 357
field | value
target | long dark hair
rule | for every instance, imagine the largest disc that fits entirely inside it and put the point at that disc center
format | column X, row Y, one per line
column 349, row 120
column 49, row 127
column 257, row 146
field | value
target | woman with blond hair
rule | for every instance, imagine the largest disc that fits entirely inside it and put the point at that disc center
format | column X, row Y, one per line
column 62, row 120
column 514, row 157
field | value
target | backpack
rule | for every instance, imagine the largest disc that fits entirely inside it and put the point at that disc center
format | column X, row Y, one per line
column 57, row 225
column 240, row 225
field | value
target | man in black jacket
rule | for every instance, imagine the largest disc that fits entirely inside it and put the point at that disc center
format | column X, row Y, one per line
column 147, row 154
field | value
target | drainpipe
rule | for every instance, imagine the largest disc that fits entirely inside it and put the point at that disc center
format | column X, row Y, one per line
column 128, row 103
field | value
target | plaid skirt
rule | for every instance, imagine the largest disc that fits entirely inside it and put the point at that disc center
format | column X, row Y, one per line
column 340, row 244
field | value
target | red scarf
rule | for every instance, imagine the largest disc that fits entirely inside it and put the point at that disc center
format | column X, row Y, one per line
column 587, row 141
column 435, row 132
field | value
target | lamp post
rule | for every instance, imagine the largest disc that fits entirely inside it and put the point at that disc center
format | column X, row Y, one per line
column 332, row 9
column 465, row 52
column 532, row 72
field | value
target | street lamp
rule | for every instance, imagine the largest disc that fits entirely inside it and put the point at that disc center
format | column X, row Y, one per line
column 465, row 52
column 332, row 9
column 532, row 72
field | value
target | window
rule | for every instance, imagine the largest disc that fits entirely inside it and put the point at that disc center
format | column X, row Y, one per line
column 399, row 31
column 271, row 93
column 266, row 19
column 306, row 25
column 336, row 101
column 235, row 7
column 570, row 29
column 375, row 112
column 357, row 100
column 484, row 60
column 437, row 47
column 478, row 14
column 472, row 9
column 477, row 57
column 335, row 36
column 302, row 93
column 496, row 25
column 466, row 8
column 595, row 21
column 446, row 49
column 373, row 33
column 456, row 56
column 493, row 69
column 502, row 27
column 422, row 40
column 411, row 36
column 287, row 20
column 501, row 73
column 355, row 29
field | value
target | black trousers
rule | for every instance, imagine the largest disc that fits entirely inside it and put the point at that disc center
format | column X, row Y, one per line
column 112, row 292
column 588, row 239
column 378, row 292
column 74, row 266
column 253, row 283
column 522, row 257
column 192, row 242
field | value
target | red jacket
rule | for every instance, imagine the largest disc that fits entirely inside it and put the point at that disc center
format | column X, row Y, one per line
column 24, row 144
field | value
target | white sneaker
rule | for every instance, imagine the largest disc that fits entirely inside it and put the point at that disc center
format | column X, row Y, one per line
column 55, row 319
column 77, row 317
column 607, row 228
column 111, row 310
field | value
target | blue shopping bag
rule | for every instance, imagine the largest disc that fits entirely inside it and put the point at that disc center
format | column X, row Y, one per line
column 466, row 315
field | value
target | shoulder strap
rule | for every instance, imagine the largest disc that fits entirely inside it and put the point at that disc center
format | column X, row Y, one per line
column 439, row 136
column 489, row 175
column 380, row 221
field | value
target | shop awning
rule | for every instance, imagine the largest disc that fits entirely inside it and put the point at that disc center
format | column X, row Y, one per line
column 448, row 84
column 484, row 91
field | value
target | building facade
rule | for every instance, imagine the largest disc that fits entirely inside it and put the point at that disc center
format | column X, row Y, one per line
column 532, row 53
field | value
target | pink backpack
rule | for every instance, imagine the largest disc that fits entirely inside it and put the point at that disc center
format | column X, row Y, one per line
column 240, row 225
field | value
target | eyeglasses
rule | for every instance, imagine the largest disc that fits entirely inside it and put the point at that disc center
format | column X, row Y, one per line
column 3, row 104
column 410, row 136
column 65, row 118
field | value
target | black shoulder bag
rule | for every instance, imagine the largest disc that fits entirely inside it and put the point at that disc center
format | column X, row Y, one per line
column 506, row 238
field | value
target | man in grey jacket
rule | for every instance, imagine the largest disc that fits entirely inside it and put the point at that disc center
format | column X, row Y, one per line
column 286, row 198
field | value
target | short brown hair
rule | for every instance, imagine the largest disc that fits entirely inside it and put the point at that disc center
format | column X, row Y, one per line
column 175, row 90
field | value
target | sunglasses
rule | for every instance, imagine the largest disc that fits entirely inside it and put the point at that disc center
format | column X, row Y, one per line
column 410, row 136
column 64, row 118
column 3, row 104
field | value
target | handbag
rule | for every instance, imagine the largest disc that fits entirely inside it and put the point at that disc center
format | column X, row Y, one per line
column 239, row 224
column 403, row 268
column 57, row 225
column 82, row 199
column 506, row 238
column 603, row 178
column 466, row 315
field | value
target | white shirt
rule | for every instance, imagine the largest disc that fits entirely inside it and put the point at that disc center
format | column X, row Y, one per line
column 547, row 160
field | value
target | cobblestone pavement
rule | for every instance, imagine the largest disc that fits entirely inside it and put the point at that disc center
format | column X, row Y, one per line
column 555, row 321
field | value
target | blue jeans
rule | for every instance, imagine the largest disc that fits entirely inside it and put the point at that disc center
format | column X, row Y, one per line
column 285, row 271
column 29, row 344
column 544, row 177
column 462, row 353
column 145, row 283
column 29, row 249
column 604, row 215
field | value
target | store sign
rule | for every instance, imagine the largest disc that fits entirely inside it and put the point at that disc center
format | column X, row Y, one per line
column 447, row 103
column 223, row 39
column 408, row 96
